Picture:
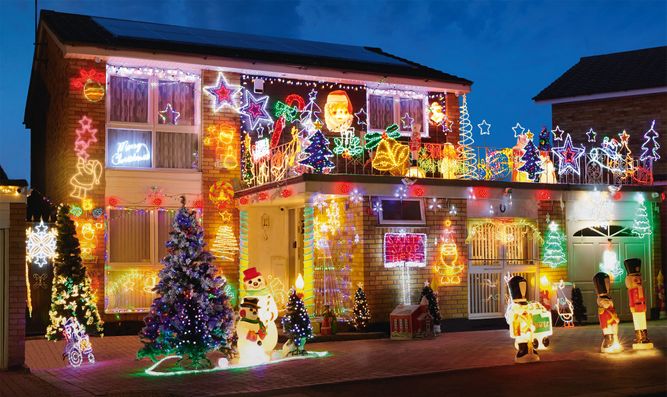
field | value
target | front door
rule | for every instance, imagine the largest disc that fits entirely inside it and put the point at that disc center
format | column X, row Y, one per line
column 586, row 254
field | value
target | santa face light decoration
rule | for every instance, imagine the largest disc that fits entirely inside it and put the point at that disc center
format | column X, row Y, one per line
column 607, row 314
column 338, row 111
column 637, row 300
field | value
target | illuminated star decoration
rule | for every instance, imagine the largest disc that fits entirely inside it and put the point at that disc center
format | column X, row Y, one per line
column 591, row 135
column 260, row 131
column 361, row 117
column 169, row 115
column 624, row 137
column 85, row 135
column 558, row 134
column 568, row 156
column 255, row 110
column 407, row 122
column 224, row 94
column 447, row 125
column 312, row 95
column 516, row 129
column 41, row 244
column 484, row 128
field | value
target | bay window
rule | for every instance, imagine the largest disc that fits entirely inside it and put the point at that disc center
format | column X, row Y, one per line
column 403, row 108
column 152, row 120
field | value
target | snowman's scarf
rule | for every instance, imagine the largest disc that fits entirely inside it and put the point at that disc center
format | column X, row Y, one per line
column 254, row 335
column 259, row 292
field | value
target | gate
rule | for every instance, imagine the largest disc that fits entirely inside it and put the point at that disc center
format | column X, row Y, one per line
column 499, row 248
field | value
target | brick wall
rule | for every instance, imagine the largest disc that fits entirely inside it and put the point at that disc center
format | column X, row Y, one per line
column 229, row 120
column 452, row 111
column 383, row 285
column 609, row 117
column 17, row 285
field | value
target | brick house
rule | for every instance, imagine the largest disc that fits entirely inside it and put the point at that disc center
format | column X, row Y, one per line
column 611, row 93
column 296, row 153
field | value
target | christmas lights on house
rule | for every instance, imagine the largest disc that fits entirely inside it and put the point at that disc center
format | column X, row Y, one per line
column 553, row 253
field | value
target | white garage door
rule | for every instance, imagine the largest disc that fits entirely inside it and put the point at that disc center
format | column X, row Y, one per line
column 585, row 255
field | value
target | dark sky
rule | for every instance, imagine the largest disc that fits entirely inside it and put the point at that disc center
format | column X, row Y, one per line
column 510, row 49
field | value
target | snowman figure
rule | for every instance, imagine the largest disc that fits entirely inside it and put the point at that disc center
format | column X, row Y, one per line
column 267, row 310
column 251, row 333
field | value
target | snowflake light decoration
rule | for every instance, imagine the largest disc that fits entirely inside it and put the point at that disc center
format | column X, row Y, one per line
column 319, row 202
column 377, row 206
column 434, row 204
column 41, row 244
column 356, row 197
column 401, row 192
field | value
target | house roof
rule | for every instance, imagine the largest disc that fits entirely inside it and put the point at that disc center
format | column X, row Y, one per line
column 5, row 181
column 75, row 29
column 610, row 73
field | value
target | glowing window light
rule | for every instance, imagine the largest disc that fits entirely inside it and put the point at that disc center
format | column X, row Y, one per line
column 41, row 244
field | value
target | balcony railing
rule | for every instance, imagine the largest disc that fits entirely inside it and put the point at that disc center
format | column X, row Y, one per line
column 443, row 161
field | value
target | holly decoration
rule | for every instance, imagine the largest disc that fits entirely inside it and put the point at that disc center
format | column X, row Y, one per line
column 348, row 145
column 373, row 139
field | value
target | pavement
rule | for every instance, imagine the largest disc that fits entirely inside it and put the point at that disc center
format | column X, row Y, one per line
column 473, row 362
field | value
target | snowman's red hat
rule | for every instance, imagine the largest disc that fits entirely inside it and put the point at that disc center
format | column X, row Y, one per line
column 251, row 273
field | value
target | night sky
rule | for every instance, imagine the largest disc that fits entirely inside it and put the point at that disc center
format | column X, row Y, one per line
column 510, row 49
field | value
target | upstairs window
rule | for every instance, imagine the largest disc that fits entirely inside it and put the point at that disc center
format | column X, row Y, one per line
column 152, row 119
column 403, row 108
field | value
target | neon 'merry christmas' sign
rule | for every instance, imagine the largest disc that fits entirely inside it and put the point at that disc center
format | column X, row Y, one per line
column 404, row 249
column 127, row 153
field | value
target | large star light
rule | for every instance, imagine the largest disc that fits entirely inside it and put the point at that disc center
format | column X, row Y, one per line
column 40, row 244
column 516, row 129
column 558, row 133
column 224, row 94
column 484, row 128
column 568, row 156
column 255, row 110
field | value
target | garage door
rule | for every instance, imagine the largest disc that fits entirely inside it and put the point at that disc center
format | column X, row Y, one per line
column 586, row 249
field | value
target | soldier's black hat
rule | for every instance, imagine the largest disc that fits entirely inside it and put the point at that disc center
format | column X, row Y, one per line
column 633, row 265
column 515, row 287
column 600, row 283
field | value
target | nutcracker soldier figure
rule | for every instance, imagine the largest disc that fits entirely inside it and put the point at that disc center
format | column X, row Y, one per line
column 520, row 321
column 606, row 314
column 637, row 299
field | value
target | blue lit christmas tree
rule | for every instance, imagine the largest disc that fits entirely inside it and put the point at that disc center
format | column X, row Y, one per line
column 531, row 161
column 191, row 315
column 296, row 323
column 544, row 144
column 318, row 153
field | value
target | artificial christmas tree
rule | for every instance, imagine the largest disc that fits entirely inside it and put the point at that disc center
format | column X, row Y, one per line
column 641, row 225
column 362, row 314
column 433, row 309
column 532, row 164
column 467, row 156
column 191, row 315
column 296, row 325
column 553, row 253
column 318, row 153
column 544, row 144
column 71, row 294
column 578, row 306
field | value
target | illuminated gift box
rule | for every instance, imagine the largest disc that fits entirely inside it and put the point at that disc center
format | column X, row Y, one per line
column 410, row 321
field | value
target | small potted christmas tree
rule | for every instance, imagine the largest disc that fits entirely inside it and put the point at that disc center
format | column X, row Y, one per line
column 362, row 314
column 296, row 326
column 433, row 309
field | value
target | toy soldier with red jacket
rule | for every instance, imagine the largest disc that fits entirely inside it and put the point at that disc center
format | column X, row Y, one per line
column 637, row 299
column 520, row 320
column 607, row 314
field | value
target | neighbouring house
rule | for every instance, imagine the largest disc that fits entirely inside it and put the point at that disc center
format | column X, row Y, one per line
column 610, row 93
column 12, row 271
column 339, row 163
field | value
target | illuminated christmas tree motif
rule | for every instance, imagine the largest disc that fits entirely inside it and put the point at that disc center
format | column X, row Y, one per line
column 296, row 324
column 466, row 152
column 40, row 244
column 225, row 246
column 191, row 315
column 532, row 164
column 247, row 172
column 319, row 158
column 544, row 144
column 553, row 253
column 650, row 147
column 71, row 294
column 641, row 226
column 362, row 314
column 626, row 155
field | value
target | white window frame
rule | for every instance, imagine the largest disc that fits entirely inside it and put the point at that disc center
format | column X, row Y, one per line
column 152, row 124
column 382, row 221
column 397, row 95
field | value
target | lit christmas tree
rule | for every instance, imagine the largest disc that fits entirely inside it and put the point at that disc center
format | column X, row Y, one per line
column 641, row 225
column 432, row 299
column 544, row 144
column 553, row 252
column 71, row 295
column 531, row 160
column 467, row 156
column 191, row 315
column 318, row 153
column 362, row 314
column 247, row 173
column 225, row 246
column 296, row 323
column 650, row 147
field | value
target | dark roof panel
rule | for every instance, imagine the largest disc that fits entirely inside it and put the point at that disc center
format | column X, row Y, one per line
column 617, row 72
column 117, row 33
